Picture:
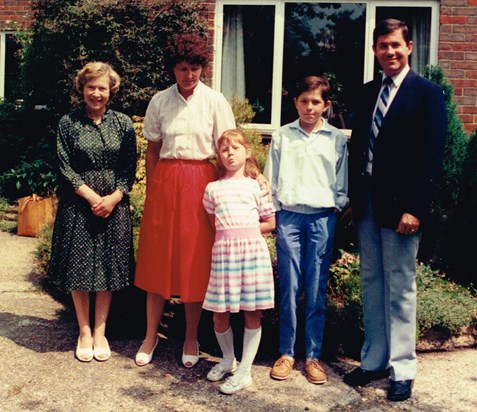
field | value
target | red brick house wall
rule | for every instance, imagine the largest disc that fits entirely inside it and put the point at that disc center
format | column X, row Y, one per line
column 457, row 46
column 14, row 14
column 458, row 55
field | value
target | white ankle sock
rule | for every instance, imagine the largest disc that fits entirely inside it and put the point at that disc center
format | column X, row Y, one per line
column 226, row 343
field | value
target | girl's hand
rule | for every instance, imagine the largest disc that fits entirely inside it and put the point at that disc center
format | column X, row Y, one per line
column 265, row 186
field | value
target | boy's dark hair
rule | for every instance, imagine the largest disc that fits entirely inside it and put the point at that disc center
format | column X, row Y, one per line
column 187, row 47
column 310, row 83
column 390, row 25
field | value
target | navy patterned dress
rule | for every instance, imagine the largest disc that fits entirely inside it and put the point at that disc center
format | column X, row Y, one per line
column 90, row 253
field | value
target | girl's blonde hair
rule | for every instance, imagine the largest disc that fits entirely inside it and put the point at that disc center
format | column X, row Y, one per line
column 93, row 70
column 252, row 169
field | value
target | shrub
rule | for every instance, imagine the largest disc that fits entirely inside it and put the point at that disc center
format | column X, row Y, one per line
column 461, row 241
column 8, row 217
column 244, row 114
column 28, row 178
column 128, row 34
column 43, row 250
column 442, row 305
column 436, row 240
column 455, row 149
column 27, row 155
column 140, row 184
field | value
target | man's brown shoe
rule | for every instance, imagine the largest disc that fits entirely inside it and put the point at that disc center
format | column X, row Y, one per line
column 282, row 368
column 315, row 371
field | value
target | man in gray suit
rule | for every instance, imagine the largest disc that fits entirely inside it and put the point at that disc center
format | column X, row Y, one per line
column 396, row 153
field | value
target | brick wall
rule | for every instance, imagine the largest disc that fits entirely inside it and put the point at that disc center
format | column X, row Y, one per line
column 458, row 55
column 14, row 13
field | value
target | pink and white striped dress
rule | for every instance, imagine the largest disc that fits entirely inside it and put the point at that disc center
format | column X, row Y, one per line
column 241, row 275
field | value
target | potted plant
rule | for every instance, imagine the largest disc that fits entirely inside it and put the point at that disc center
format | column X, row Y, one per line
column 35, row 183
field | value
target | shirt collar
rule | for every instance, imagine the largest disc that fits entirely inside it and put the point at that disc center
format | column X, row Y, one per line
column 196, row 90
column 399, row 78
column 325, row 127
column 84, row 113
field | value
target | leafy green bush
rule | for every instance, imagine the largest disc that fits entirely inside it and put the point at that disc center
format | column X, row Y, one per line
column 129, row 34
column 442, row 305
column 436, row 239
column 8, row 216
column 455, row 149
column 27, row 151
column 43, row 250
column 28, row 178
column 244, row 114
column 461, row 242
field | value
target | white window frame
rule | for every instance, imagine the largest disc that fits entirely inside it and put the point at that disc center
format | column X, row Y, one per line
column 279, row 5
column 3, row 49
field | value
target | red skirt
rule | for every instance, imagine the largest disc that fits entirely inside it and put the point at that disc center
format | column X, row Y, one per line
column 176, row 237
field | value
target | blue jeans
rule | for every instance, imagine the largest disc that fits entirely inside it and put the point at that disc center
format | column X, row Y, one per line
column 304, row 251
column 388, row 273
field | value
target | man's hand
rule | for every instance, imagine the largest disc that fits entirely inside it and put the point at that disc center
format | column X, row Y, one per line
column 408, row 225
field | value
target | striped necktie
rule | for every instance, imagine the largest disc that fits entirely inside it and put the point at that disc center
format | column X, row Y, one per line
column 381, row 109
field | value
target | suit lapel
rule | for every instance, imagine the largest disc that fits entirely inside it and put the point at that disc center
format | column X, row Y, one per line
column 403, row 95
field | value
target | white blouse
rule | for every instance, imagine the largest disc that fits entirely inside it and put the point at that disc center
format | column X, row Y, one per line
column 188, row 129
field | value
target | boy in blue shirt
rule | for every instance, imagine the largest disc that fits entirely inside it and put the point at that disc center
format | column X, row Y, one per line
column 307, row 167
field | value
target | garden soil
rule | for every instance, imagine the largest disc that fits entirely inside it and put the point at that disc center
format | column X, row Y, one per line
column 38, row 371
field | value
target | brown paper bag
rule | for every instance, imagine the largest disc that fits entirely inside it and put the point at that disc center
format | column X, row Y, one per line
column 33, row 213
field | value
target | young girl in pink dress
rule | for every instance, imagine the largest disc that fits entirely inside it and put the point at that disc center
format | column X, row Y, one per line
column 241, row 273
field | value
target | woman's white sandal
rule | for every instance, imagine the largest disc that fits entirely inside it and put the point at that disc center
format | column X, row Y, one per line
column 190, row 360
column 143, row 358
column 84, row 354
column 102, row 354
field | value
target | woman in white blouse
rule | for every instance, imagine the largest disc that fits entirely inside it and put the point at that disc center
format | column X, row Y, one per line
column 182, row 125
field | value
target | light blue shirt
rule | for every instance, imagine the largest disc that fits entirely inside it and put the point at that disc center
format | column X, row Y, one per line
column 308, row 173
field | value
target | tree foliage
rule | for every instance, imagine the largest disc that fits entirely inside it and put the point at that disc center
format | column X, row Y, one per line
column 128, row 34
column 435, row 246
column 461, row 240
column 455, row 149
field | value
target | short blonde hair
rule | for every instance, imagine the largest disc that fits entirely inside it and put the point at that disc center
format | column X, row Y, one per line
column 93, row 70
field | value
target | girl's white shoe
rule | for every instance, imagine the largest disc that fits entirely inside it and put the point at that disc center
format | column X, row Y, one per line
column 235, row 383
column 218, row 372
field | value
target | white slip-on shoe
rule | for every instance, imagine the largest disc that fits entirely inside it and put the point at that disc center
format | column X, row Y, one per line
column 219, row 371
column 235, row 383
column 143, row 358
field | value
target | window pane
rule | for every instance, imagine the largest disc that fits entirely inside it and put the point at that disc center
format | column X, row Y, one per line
column 247, row 57
column 324, row 39
column 418, row 20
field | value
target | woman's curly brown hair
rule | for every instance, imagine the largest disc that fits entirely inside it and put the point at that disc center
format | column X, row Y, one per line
column 187, row 47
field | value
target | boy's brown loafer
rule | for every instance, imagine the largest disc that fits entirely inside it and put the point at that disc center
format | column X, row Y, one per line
column 282, row 368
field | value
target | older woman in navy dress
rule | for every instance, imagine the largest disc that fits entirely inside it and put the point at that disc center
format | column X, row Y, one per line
column 92, row 240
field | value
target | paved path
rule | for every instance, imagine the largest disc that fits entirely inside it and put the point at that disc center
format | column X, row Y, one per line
column 38, row 371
